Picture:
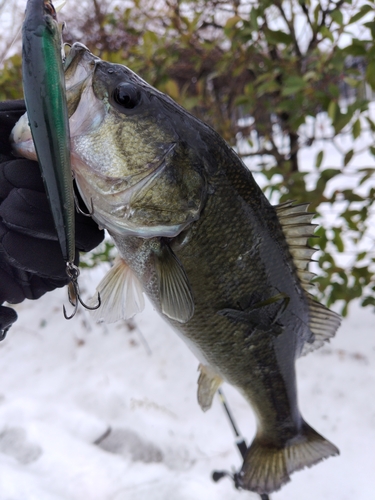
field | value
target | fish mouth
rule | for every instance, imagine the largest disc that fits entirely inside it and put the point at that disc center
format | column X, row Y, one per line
column 79, row 68
column 79, row 64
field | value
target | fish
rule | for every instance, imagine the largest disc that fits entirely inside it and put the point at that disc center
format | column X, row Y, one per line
column 198, row 237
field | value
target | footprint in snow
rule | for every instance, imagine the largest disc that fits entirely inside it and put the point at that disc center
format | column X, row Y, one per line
column 128, row 443
column 13, row 442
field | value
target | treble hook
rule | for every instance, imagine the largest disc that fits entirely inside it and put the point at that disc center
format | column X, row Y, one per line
column 74, row 293
column 80, row 211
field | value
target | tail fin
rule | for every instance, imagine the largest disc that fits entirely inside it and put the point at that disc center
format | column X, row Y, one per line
column 266, row 468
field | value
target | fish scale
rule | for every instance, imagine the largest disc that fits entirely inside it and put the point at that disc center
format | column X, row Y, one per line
column 213, row 290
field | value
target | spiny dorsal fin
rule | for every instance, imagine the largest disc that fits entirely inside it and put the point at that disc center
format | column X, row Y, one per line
column 175, row 294
column 297, row 229
column 323, row 324
column 121, row 294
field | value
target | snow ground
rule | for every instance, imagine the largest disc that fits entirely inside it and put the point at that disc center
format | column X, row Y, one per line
column 65, row 383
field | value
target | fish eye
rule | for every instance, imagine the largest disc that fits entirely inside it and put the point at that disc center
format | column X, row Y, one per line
column 127, row 95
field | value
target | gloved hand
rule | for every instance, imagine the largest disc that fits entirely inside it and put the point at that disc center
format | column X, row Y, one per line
column 31, row 262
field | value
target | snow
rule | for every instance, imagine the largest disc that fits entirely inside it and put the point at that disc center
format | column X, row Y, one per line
column 66, row 384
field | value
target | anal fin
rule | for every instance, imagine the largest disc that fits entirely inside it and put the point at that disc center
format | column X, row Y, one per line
column 208, row 383
column 121, row 294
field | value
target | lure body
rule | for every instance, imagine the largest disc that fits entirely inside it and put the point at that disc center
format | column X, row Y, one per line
column 44, row 90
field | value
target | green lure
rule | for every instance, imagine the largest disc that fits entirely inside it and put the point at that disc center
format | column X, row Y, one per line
column 44, row 90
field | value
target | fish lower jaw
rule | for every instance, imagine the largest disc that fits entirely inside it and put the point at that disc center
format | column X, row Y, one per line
column 25, row 149
column 123, row 230
column 21, row 139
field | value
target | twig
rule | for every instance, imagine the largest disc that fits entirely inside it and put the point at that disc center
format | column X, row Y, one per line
column 103, row 436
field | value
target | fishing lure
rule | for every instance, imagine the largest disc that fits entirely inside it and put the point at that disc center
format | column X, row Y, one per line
column 45, row 98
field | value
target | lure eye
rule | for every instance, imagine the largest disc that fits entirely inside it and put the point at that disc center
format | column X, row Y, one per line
column 127, row 95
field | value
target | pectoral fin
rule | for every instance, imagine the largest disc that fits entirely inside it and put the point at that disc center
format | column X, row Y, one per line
column 208, row 384
column 121, row 294
column 176, row 298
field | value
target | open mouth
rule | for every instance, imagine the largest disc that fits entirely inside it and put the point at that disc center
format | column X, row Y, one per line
column 78, row 63
column 79, row 67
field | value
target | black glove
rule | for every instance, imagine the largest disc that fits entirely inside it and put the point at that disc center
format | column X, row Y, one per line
column 31, row 261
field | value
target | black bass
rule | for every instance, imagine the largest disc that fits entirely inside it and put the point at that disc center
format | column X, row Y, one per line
column 197, row 235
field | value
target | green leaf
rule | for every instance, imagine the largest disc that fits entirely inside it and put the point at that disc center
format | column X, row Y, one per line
column 370, row 74
column 350, row 196
column 348, row 157
column 332, row 110
column 371, row 26
column 368, row 301
column 316, row 13
column 334, row 90
column 171, row 88
column 292, row 85
column 231, row 22
column 355, row 50
column 319, row 159
column 337, row 240
column 337, row 16
column 341, row 120
column 267, row 88
column 275, row 37
column 322, row 242
column 326, row 33
column 371, row 124
column 344, row 310
column 357, row 128
column 254, row 19
column 329, row 173
column 369, row 173
column 362, row 12
column 353, row 82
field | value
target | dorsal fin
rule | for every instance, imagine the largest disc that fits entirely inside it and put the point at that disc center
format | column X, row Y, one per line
column 297, row 228
column 121, row 294
column 323, row 324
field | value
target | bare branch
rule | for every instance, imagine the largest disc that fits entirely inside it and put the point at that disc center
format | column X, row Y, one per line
column 290, row 24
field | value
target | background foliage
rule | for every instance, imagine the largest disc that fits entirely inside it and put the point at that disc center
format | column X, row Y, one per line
column 278, row 80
